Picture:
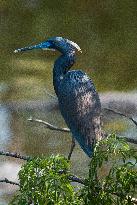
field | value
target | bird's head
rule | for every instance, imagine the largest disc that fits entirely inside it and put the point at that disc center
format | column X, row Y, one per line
column 56, row 43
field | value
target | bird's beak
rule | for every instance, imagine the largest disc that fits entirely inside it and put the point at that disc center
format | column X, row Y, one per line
column 45, row 46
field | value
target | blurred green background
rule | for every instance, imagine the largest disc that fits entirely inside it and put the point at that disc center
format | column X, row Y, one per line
column 106, row 31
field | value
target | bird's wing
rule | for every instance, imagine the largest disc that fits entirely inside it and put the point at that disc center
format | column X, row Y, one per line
column 80, row 106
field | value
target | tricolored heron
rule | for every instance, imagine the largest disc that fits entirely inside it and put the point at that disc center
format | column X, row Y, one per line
column 79, row 102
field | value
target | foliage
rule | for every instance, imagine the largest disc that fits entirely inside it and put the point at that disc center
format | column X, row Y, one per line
column 46, row 181
column 119, row 183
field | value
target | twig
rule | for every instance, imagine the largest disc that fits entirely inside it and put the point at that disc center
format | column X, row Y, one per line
column 130, row 140
column 119, row 113
column 76, row 179
column 48, row 125
column 9, row 182
column 53, row 127
column 15, row 155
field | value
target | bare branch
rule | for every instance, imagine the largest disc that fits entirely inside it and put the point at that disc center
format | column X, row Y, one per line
column 76, row 179
column 53, row 127
column 9, row 182
column 15, row 155
column 73, row 178
column 49, row 126
column 130, row 140
column 119, row 113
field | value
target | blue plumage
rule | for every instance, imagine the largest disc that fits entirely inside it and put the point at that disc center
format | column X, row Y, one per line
column 79, row 104
column 78, row 100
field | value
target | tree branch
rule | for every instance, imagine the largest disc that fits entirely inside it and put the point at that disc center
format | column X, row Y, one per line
column 130, row 140
column 53, row 127
column 15, row 155
column 76, row 179
column 119, row 113
column 9, row 182
column 73, row 178
column 49, row 126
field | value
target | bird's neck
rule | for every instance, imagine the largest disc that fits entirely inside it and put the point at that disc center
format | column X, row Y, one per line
column 61, row 67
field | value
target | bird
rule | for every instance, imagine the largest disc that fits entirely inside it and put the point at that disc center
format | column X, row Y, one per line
column 78, row 99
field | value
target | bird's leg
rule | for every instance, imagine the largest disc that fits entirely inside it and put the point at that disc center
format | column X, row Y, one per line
column 72, row 148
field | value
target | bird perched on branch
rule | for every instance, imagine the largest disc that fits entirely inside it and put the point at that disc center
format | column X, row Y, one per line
column 79, row 102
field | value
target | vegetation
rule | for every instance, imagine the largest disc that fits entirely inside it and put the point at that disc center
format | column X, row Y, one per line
column 46, row 181
column 119, row 185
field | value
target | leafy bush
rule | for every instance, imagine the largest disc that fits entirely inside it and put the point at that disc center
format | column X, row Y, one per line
column 45, row 181
column 119, row 184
